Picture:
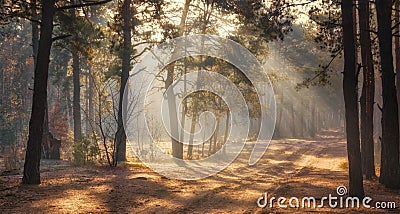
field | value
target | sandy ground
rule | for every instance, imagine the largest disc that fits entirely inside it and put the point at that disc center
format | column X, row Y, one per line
column 290, row 168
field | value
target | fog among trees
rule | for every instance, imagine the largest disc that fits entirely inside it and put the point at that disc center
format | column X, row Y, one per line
column 71, row 141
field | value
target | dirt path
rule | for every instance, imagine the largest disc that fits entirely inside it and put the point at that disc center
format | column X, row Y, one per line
column 290, row 168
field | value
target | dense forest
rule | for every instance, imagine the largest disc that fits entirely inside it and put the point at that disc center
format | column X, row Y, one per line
column 199, row 106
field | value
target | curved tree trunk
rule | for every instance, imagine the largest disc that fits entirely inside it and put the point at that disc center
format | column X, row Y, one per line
column 33, row 151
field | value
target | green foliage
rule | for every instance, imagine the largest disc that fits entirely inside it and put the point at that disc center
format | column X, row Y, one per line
column 80, row 152
column 85, row 151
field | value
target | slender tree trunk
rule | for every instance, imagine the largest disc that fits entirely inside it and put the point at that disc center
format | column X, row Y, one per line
column 33, row 151
column 368, row 92
column 192, row 130
column 87, row 121
column 211, row 141
column 350, row 100
column 194, row 117
column 313, row 120
column 76, row 99
column 279, row 119
column 302, row 123
column 390, row 167
column 228, row 118
column 293, row 120
column 120, row 136
column 177, row 147
column 90, row 105
column 184, row 111
column 216, row 133
column 68, row 103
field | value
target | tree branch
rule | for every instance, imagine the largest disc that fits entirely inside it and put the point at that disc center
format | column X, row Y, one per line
column 60, row 37
column 82, row 5
column 139, row 54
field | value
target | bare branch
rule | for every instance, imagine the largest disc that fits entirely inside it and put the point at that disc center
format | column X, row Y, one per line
column 82, row 5
column 60, row 37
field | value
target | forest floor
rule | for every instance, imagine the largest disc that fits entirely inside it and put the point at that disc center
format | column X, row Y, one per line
column 290, row 168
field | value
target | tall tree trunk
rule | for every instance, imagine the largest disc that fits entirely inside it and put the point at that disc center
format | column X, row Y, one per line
column 35, row 32
column 228, row 118
column 69, row 106
column 279, row 130
column 301, row 120
column 90, row 105
column 390, row 167
column 216, row 133
column 184, row 111
column 194, row 119
column 293, row 120
column 35, row 45
column 120, row 136
column 350, row 100
column 87, row 121
column 76, row 99
column 194, row 116
column 33, row 151
column 76, row 102
column 192, row 130
column 368, row 92
column 397, row 52
column 177, row 147
column 313, row 120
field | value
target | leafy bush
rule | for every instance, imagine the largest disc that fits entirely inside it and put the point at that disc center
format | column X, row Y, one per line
column 84, row 152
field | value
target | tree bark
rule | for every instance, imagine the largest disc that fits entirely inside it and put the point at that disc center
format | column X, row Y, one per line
column 227, row 122
column 293, row 120
column 368, row 92
column 33, row 151
column 184, row 110
column 177, row 147
column 45, row 138
column 350, row 100
column 120, row 136
column 216, row 133
column 397, row 52
column 390, row 167
column 76, row 99
column 313, row 120
column 90, row 105
column 35, row 46
column 192, row 130
column 35, row 32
